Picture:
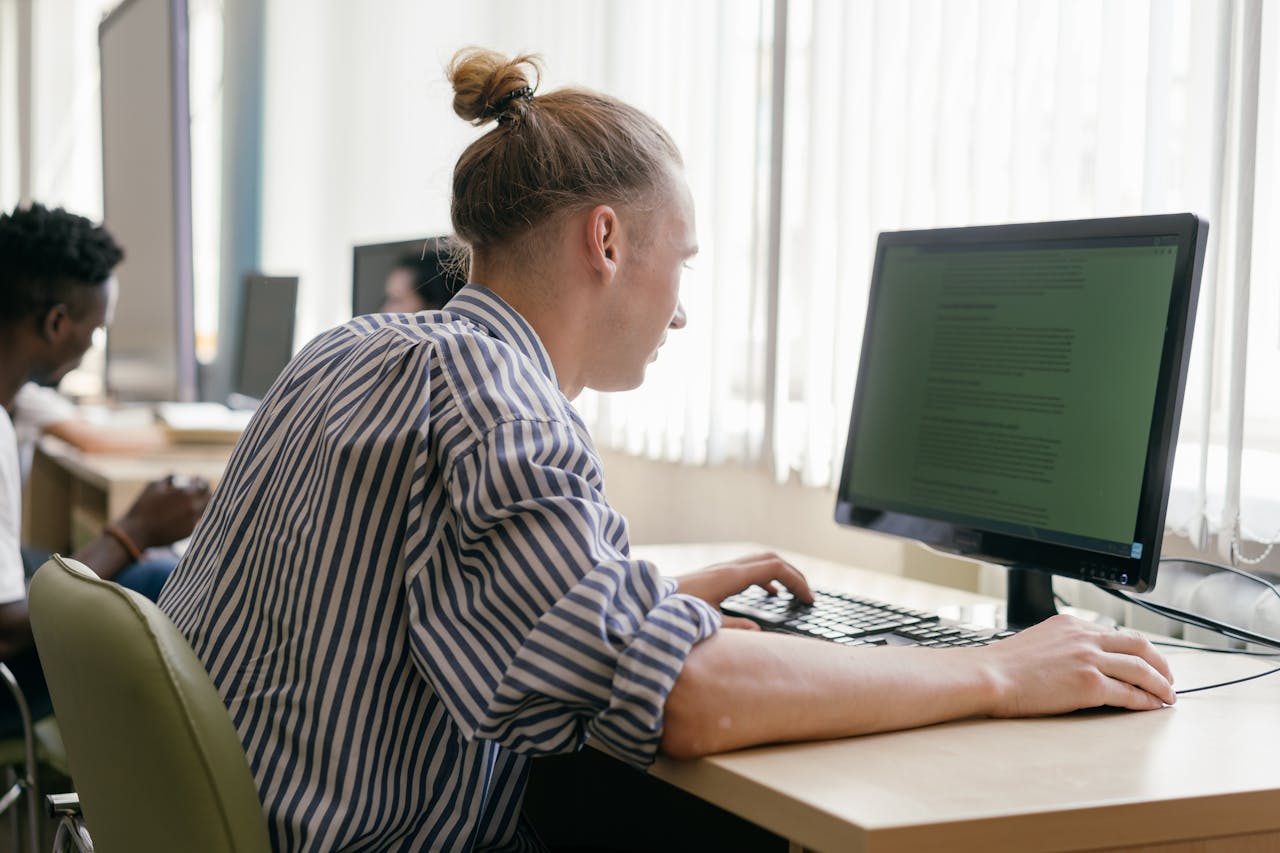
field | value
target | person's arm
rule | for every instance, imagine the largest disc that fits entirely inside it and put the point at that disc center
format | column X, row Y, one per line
column 742, row 688
column 166, row 511
column 15, row 629
column 766, row 570
column 96, row 438
column 538, row 630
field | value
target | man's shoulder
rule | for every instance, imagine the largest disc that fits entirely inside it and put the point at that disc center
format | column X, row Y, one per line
column 493, row 382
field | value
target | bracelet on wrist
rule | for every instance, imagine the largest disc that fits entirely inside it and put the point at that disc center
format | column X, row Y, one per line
column 126, row 542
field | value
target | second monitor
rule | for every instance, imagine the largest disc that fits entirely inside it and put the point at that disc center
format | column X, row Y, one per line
column 403, row 276
column 266, row 333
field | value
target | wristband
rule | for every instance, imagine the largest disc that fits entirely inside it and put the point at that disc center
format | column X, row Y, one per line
column 113, row 530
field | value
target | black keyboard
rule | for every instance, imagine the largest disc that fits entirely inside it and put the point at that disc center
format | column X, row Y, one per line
column 854, row 621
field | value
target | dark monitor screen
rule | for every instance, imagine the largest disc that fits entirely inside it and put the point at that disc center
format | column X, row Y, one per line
column 1020, row 388
column 370, row 266
column 266, row 332
column 432, row 274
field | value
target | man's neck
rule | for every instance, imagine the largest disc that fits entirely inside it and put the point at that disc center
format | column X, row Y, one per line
column 555, row 314
column 15, row 367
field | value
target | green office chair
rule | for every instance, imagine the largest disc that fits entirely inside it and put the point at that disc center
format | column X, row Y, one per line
column 154, row 757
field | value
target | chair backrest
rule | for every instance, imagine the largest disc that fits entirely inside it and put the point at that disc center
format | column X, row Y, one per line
column 153, row 753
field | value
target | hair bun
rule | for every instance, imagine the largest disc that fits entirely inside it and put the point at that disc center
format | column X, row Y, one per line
column 488, row 86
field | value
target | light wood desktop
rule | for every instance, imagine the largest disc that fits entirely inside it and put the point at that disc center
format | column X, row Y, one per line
column 1203, row 775
column 71, row 495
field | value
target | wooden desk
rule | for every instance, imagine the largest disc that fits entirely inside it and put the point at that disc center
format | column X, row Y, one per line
column 1203, row 775
column 70, row 495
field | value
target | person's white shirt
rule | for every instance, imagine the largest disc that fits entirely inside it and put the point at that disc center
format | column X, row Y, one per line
column 35, row 408
column 13, row 582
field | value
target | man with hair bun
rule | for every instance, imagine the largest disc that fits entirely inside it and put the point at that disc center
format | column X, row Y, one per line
column 411, row 580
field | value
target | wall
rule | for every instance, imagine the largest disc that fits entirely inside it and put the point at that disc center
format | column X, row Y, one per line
column 671, row 503
column 667, row 502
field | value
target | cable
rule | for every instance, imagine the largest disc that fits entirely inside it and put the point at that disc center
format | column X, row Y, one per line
column 1224, row 628
column 1224, row 568
column 1226, row 683
column 1195, row 620
column 1244, row 652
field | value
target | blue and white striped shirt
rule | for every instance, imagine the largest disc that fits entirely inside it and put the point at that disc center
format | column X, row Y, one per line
column 409, row 580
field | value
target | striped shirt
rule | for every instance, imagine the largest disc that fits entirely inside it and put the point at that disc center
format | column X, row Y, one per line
column 409, row 581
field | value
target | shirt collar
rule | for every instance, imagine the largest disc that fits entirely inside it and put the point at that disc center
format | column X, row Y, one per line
column 482, row 306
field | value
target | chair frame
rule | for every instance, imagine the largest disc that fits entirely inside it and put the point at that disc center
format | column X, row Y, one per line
column 72, row 836
column 25, row 784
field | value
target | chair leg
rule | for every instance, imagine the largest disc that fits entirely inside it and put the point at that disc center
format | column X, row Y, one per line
column 27, row 781
column 13, row 786
column 33, row 817
column 72, row 837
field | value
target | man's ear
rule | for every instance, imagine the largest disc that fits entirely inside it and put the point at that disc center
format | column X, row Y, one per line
column 602, row 241
column 54, row 322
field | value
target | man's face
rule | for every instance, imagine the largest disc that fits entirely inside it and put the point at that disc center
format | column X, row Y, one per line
column 399, row 297
column 67, row 331
column 647, row 295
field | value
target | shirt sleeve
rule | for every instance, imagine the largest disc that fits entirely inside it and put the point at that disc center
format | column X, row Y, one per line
column 544, row 631
column 13, row 584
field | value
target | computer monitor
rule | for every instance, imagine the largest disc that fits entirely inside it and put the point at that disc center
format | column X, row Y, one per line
column 146, row 194
column 266, row 332
column 428, row 260
column 1019, row 394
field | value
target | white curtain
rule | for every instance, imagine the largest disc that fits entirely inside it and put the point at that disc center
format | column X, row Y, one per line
column 707, row 81
column 361, row 142
column 924, row 113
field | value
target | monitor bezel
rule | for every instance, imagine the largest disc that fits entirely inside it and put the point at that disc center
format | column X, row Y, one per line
column 1135, row 574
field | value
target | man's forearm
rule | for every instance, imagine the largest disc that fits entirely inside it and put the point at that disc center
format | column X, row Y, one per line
column 15, row 629
column 105, row 555
column 741, row 688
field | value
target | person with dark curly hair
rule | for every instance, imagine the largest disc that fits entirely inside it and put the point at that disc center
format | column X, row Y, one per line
column 56, row 289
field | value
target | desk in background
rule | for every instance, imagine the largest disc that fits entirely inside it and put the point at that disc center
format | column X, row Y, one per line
column 71, row 495
column 1202, row 776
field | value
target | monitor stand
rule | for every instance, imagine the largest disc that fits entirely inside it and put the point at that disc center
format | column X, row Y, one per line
column 1030, row 598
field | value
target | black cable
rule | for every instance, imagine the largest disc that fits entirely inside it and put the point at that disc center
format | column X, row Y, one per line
column 1244, row 652
column 1225, row 568
column 1196, row 620
column 1227, row 683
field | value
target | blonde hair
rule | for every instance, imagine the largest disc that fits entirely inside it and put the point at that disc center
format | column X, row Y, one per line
column 549, row 154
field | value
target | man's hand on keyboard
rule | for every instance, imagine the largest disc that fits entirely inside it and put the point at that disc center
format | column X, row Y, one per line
column 1064, row 664
column 716, row 583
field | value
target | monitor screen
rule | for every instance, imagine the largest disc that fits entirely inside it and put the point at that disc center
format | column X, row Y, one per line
column 266, row 332
column 430, row 276
column 1020, row 388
